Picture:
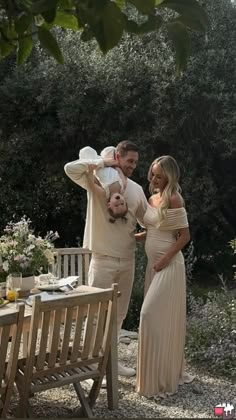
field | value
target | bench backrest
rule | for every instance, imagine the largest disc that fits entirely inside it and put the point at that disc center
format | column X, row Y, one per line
column 72, row 262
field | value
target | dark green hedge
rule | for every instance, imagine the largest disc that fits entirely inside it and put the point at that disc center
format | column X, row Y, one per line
column 48, row 112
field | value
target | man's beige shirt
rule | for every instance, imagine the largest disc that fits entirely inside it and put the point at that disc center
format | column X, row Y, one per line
column 101, row 236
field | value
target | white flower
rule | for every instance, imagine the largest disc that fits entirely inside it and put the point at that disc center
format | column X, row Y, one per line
column 49, row 255
column 21, row 250
column 32, row 246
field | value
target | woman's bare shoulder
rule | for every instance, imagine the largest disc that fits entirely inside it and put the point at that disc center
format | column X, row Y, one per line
column 176, row 201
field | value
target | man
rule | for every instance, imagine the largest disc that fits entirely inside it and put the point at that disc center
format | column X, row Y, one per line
column 112, row 244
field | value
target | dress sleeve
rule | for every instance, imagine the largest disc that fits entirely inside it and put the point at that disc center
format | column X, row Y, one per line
column 175, row 219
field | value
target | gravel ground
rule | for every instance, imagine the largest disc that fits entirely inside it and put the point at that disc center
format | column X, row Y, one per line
column 197, row 399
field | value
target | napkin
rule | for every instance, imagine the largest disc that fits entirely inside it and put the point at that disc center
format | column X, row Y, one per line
column 72, row 280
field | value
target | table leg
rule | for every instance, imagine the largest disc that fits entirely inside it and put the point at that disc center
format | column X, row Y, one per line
column 25, row 342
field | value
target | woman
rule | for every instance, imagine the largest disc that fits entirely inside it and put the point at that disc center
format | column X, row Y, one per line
column 163, row 314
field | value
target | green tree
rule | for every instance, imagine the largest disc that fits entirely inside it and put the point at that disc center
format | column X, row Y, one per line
column 22, row 22
column 48, row 112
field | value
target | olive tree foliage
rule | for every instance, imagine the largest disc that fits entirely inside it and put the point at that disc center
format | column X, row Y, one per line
column 48, row 112
column 22, row 22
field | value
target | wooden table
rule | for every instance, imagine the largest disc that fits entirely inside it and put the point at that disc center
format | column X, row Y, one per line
column 112, row 366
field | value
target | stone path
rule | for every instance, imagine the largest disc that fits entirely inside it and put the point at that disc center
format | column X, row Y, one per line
column 195, row 400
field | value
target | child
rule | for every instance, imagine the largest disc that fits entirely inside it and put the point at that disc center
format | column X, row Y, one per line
column 106, row 180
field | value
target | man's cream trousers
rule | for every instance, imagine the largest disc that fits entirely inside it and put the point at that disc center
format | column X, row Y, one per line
column 105, row 270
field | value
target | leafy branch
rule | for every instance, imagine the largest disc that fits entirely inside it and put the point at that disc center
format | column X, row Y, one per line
column 105, row 21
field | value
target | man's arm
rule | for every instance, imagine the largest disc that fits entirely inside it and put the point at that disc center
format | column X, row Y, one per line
column 142, row 207
column 78, row 171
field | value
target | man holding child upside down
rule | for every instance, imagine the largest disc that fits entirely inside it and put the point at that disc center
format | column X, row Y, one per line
column 111, row 241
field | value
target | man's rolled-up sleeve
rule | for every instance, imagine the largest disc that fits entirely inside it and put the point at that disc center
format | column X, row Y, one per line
column 77, row 171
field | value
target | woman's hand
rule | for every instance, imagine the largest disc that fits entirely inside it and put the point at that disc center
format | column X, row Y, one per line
column 181, row 241
column 162, row 263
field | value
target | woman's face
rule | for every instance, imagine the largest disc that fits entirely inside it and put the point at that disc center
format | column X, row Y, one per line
column 158, row 179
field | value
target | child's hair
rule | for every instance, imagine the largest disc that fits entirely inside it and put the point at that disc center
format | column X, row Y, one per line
column 114, row 216
column 171, row 172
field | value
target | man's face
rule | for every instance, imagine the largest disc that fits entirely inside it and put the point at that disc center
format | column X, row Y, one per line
column 128, row 162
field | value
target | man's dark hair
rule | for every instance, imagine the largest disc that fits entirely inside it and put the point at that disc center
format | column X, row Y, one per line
column 126, row 146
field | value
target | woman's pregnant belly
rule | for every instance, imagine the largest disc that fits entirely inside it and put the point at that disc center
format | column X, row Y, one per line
column 158, row 242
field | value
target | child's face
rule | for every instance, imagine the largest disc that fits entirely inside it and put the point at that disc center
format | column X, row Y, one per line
column 117, row 204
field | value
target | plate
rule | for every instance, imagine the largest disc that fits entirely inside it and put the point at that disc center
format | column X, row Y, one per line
column 49, row 287
column 4, row 303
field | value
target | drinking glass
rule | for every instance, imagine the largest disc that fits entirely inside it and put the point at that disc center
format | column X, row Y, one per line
column 52, row 271
column 15, row 283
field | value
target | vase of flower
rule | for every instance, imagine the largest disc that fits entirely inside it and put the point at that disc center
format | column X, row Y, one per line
column 21, row 251
column 24, row 285
column 27, row 284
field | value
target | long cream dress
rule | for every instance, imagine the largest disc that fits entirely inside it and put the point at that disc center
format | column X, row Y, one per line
column 163, row 314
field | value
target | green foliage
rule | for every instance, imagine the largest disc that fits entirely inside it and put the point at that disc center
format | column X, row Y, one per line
column 48, row 41
column 211, row 334
column 232, row 243
column 23, row 252
column 106, row 21
column 24, row 49
column 131, row 321
column 178, row 34
column 3, row 276
column 47, row 113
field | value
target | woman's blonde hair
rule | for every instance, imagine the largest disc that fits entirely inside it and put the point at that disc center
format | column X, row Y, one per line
column 170, row 170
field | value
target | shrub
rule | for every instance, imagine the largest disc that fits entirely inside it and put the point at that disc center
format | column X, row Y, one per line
column 131, row 322
column 232, row 243
column 190, row 260
column 211, row 333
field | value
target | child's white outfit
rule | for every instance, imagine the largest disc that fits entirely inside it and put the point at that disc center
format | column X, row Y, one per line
column 106, row 175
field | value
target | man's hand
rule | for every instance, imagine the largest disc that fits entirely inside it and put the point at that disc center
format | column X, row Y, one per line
column 141, row 236
column 110, row 162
